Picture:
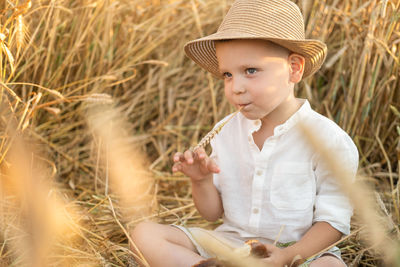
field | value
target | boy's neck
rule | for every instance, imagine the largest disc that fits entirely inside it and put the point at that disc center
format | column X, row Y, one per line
column 275, row 118
column 282, row 113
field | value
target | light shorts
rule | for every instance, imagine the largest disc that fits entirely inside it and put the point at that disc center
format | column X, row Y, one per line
column 234, row 240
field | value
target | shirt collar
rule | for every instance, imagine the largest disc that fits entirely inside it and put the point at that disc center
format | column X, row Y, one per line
column 294, row 119
column 305, row 108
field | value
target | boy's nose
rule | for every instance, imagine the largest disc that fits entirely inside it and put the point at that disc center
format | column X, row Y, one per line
column 238, row 86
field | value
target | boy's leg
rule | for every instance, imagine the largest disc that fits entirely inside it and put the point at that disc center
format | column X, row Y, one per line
column 164, row 245
column 327, row 261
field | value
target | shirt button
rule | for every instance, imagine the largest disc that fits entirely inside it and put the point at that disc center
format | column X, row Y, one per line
column 280, row 129
column 249, row 138
column 257, row 122
column 259, row 172
column 255, row 210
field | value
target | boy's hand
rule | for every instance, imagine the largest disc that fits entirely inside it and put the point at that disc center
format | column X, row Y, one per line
column 195, row 164
column 278, row 257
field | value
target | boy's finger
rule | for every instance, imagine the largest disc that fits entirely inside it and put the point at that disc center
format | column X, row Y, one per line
column 188, row 155
column 177, row 167
column 201, row 153
column 212, row 166
column 178, row 157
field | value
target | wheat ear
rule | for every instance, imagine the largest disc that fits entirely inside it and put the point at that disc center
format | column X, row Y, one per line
column 210, row 135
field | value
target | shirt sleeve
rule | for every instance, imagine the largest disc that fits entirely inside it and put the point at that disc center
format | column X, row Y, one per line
column 331, row 204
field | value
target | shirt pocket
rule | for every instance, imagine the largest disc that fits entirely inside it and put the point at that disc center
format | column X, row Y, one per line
column 292, row 186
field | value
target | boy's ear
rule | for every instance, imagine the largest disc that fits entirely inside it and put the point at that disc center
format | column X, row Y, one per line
column 296, row 67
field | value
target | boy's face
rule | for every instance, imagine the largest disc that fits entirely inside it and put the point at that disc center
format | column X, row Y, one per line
column 256, row 76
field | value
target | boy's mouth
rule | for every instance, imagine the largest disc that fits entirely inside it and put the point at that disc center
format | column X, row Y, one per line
column 242, row 106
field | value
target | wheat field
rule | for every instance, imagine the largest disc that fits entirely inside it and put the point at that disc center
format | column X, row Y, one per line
column 96, row 96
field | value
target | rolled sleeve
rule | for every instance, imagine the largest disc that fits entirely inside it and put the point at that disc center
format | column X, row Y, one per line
column 331, row 204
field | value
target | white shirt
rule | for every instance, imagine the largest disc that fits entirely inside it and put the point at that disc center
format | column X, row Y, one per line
column 284, row 183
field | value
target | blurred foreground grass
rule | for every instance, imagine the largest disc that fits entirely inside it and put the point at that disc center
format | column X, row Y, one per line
column 60, row 58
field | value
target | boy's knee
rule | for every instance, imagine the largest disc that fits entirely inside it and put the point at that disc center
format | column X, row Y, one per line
column 143, row 229
column 142, row 232
column 327, row 261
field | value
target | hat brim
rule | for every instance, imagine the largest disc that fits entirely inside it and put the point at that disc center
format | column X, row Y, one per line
column 202, row 51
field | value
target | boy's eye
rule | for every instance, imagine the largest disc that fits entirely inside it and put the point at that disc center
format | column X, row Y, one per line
column 227, row 75
column 251, row 71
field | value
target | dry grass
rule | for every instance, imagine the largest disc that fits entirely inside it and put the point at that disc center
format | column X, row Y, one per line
column 58, row 57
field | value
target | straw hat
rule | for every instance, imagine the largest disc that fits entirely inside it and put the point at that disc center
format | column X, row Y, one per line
column 278, row 21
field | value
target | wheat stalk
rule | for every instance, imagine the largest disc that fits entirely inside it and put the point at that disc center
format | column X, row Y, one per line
column 98, row 98
column 210, row 135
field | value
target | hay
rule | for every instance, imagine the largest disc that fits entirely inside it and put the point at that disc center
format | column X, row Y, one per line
column 58, row 57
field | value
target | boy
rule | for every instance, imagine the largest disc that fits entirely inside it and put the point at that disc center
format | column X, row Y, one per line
column 261, row 175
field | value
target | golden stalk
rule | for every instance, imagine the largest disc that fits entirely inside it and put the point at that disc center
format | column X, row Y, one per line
column 210, row 135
